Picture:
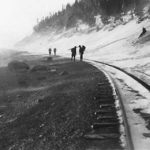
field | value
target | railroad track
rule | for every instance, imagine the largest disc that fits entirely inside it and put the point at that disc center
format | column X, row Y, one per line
column 111, row 124
column 130, row 139
column 120, row 69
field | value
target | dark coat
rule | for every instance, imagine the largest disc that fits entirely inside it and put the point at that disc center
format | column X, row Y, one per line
column 73, row 51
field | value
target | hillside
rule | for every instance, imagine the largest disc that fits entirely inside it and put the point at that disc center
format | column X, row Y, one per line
column 85, row 11
column 115, row 42
column 119, row 46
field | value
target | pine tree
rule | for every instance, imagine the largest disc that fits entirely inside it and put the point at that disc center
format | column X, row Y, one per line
column 86, row 10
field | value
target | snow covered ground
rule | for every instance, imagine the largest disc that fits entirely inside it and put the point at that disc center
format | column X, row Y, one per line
column 120, row 47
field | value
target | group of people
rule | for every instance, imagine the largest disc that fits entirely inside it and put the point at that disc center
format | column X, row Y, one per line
column 50, row 51
column 74, row 52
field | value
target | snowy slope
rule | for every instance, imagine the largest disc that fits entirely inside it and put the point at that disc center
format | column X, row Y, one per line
column 115, row 46
column 119, row 46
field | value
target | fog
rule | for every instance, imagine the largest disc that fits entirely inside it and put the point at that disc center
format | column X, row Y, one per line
column 19, row 16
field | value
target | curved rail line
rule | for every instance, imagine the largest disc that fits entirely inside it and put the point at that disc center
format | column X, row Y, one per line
column 129, row 142
column 122, row 70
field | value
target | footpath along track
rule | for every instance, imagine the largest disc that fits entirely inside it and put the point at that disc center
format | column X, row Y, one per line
column 110, row 130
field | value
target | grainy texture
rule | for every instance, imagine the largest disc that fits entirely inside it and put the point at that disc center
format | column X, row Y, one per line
column 53, row 108
column 47, row 109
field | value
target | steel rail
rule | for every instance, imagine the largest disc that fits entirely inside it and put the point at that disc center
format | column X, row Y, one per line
column 129, row 141
column 122, row 70
column 128, row 137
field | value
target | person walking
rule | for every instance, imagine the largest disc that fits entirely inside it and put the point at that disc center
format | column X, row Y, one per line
column 55, row 51
column 143, row 32
column 50, row 51
column 81, row 51
column 73, row 53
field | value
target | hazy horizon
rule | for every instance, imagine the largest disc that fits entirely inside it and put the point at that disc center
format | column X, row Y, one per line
column 19, row 16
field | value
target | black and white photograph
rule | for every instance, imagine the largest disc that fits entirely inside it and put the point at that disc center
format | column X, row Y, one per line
column 74, row 74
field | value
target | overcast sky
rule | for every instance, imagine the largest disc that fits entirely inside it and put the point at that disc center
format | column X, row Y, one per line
column 17, row 17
